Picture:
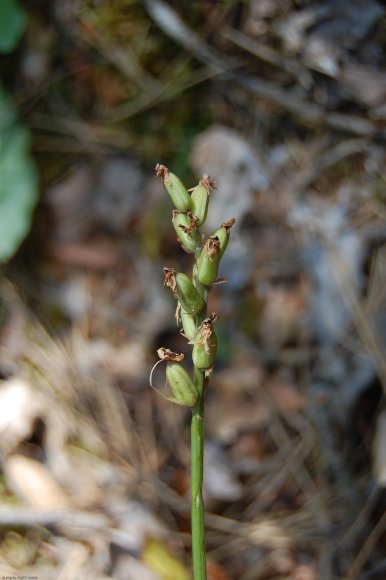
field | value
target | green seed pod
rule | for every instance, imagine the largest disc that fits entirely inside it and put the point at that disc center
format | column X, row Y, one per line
column 200, row 199
column 205, row 347
column 175, row 188
column 187, row 294
column 223, row 234
column 208, row 261
column 181, row 385
column 185, row 224
column 188, row 324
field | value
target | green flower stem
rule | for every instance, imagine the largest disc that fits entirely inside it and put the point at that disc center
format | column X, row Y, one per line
column 197, row 460
column 197, row 475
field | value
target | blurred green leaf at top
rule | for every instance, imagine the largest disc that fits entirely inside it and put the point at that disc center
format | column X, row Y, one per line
column 12, row 24
column 18, row 181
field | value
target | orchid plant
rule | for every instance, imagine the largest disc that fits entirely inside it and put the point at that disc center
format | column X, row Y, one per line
column 191, row 294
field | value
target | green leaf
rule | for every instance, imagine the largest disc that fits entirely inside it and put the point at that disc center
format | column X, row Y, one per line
column 13, row 21
column 18, row 181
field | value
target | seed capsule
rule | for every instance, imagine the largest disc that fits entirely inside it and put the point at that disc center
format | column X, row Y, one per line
column 190, row 300
column 185, row 225
column 200, row 198
column 181, row 385
column 209, row 261
column 223, row 234
column 205, row 346
column 188, row 324
column 175, row 188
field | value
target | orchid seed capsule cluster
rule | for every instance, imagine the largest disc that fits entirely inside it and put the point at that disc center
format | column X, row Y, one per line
column 191, row 293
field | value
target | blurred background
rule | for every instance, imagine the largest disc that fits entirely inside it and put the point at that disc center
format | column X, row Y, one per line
column 282, row 103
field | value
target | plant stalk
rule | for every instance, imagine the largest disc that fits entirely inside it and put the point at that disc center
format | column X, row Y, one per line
column 197, row 456
column 197, row 476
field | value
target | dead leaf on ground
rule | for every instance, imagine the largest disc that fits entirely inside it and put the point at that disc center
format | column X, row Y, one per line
column 33, row 483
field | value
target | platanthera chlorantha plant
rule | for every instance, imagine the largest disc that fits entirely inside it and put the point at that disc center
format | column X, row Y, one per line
column 191, row 294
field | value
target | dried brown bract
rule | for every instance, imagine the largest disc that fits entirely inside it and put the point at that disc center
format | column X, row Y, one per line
column 228, row 224
column 192, row 225
column 169, row 355
column 170, row 279
column 205, row 332
column 208, row 183
column 211, row 247
column 163, row 172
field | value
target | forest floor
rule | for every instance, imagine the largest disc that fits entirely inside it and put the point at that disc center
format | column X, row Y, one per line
column 282, row 103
